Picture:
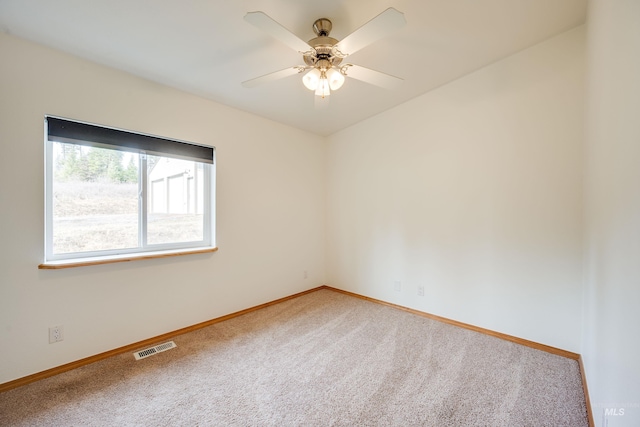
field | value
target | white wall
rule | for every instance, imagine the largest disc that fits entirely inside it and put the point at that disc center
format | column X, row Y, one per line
column 270, row 214
column 474, row 191
column 611, row 348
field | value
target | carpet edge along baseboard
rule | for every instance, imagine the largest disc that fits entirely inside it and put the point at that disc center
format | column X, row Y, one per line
column 140, row 344
column 527, row 343
column 522, row 341
column 144, row 343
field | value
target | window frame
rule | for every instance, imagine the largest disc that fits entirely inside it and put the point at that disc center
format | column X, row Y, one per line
column 144, row 250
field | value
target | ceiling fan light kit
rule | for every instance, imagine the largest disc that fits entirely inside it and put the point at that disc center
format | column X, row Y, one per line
column 323, row 55
column 323, row 80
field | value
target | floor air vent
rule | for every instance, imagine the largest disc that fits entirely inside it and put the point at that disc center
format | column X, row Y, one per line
column 154, row 350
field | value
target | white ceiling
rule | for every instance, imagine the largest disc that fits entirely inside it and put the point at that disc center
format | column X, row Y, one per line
column 205, row 47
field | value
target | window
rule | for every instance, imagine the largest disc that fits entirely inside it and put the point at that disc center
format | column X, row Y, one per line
column 113, row 195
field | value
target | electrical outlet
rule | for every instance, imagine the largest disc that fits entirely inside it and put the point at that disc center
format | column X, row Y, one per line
column 397, row 286
column 305, row 274
column 56, row 333
column 420, row 290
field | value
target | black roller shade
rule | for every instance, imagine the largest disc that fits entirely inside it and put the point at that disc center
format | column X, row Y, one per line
column 62, row 130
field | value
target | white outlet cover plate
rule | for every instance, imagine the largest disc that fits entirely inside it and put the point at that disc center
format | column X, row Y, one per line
column 56, row 334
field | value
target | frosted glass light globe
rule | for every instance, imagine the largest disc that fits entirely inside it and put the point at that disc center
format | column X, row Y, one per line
column 311, row 79
column 323, row 88
column 336, row 79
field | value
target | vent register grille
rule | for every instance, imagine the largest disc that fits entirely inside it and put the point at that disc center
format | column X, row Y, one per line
column 154, row 350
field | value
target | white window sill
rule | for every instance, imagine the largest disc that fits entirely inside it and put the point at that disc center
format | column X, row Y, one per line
column 84, row 262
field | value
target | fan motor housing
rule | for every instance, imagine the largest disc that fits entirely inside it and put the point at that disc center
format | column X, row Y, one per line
column 323, row 50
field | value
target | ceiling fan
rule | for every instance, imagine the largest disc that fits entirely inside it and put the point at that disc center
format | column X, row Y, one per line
column 323, row 55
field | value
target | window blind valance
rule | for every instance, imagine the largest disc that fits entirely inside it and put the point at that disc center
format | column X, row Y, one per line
column 62, row 130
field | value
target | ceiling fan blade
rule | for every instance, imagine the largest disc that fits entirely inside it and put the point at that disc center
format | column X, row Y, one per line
column 373, row 77
column 379, row 27
column 273, row 76
column 264, row 22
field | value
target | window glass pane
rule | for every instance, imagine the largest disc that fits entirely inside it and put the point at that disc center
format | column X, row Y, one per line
column 94, row 199
column 114, row 193
column 176, row 200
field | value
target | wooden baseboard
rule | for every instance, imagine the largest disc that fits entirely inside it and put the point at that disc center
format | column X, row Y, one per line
column 155, row 340
column 140, row 344
column 532, row 344
column 587, row 400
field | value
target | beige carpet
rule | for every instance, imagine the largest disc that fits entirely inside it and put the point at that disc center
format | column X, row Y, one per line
column 323, row 359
